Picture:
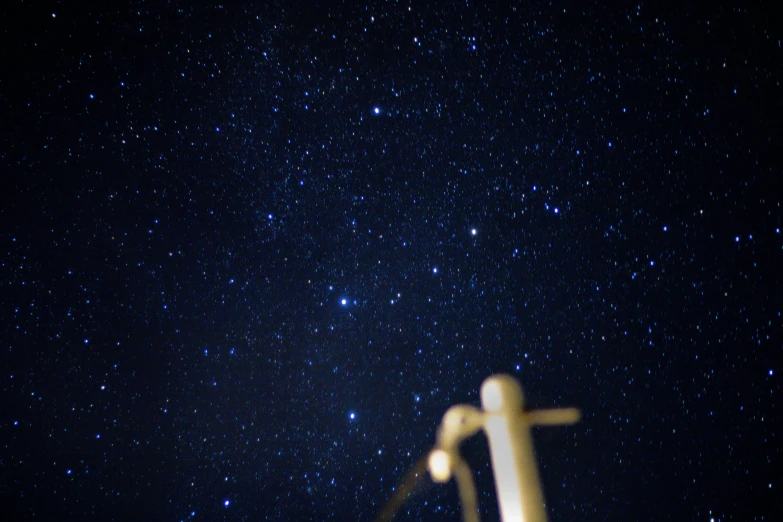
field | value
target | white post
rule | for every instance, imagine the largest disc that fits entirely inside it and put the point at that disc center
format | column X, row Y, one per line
column 507, row 426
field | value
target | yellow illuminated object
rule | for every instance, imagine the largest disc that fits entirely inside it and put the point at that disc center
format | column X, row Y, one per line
column 507, row 426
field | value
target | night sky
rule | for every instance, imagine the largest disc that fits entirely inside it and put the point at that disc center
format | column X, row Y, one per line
column 251, row 253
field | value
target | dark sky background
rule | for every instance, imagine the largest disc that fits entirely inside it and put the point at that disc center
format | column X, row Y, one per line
column 250, row 253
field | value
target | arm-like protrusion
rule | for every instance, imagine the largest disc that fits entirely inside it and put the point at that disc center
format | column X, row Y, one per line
column 553, row 417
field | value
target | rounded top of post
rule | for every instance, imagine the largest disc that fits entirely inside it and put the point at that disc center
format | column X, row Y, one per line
column 502, row 392
column 459, row 422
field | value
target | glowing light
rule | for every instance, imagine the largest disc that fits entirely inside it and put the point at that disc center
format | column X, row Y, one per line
column 440, row 466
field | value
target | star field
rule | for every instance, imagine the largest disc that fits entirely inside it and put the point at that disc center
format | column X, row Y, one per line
column 251, row 252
